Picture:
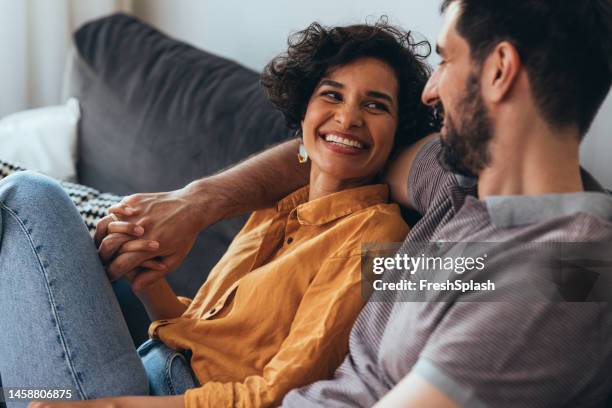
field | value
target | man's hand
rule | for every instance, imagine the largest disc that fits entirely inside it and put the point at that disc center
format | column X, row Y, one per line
column 114, row 238
column 173, row 220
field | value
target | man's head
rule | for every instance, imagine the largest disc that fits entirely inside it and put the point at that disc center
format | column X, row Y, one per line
column 563, row 47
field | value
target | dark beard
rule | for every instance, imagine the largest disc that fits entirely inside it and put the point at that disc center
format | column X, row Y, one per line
column 465, row 146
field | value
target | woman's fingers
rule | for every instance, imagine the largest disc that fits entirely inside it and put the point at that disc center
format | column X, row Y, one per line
column 102, row 228
column 110, row 246
column 116, row 244
column 139, row 245
column 154, row 264
column 124, row 227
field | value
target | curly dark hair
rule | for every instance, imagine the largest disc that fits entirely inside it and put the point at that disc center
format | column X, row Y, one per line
column 290, row 78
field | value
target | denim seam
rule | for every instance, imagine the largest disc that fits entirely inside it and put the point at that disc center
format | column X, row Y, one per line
column 21, row 224
column 168, row 369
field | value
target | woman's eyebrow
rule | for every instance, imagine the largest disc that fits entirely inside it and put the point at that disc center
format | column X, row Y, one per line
column 330, row 83
column 380, row 95
column 373, row 94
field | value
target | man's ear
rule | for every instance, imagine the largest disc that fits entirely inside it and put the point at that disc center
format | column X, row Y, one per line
column 500, row 71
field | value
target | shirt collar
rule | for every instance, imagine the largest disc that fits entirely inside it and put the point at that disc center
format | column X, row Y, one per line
column 333, row 206
column 517, row 210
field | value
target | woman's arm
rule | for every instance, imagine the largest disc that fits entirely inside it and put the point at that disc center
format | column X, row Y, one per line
column 177, row 401
column 160, row 301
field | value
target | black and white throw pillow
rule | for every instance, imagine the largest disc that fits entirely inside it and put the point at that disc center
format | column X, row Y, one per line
column 92, row 204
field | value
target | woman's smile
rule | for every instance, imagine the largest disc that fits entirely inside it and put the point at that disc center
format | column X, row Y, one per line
column 343, row 143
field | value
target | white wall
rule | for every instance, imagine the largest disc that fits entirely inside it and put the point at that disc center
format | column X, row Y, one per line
column 252, row 32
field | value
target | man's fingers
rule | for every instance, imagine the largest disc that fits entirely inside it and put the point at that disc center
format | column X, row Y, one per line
column 123, row 209
column 102, row 228
column 136, row 245
column 124, row 227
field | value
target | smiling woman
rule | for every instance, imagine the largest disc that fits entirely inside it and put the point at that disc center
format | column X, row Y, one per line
column 276, row 311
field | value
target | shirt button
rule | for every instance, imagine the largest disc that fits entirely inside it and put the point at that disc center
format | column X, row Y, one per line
column 289, row 240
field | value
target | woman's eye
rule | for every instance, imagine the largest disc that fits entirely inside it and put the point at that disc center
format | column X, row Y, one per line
column 377, row 106
column 335, row 96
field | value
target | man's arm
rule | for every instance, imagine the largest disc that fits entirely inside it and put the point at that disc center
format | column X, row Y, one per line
column 399, row 170
column 175, row 219
column 415, row 392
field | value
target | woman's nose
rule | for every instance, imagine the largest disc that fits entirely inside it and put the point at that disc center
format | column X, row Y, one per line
column 349, row 116
column 430, row 95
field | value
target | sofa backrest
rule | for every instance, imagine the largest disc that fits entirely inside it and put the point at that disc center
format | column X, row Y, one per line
column 159, row 113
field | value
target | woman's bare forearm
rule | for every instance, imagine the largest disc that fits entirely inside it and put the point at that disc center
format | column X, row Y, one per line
column 255, row 183
column 160, row 301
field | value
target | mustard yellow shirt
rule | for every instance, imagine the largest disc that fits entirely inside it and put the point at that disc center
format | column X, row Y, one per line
column 277, row 310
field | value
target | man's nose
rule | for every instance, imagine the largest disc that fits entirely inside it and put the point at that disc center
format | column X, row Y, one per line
column 430, row 95
column 349, row 116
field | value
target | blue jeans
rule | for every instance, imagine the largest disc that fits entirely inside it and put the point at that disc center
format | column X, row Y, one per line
column 60, row 324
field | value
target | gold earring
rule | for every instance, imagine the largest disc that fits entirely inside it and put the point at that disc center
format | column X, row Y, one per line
column 302, row 154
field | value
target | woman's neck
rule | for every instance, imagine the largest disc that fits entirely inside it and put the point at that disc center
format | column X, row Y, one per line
column 322, row 184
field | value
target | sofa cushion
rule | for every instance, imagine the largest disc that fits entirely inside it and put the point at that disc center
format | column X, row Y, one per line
column 158, row 113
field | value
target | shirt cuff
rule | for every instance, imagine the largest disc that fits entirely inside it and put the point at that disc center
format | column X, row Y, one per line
column 462, row 395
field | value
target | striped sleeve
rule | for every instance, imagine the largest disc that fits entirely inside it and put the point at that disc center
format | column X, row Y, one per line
column 427, row 177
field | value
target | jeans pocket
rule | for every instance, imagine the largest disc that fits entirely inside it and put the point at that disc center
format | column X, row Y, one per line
column 168, row 371
column 179, row 375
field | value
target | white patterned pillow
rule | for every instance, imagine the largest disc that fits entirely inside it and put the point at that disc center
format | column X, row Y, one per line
column 91, row 203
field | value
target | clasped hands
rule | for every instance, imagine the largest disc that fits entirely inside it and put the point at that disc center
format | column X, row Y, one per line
column 146, row 236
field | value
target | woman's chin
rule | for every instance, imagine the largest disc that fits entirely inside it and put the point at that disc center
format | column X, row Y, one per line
column 342, row 175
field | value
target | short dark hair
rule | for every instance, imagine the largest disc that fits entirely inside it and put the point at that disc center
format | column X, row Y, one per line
column 565, row 46
column 290, row 78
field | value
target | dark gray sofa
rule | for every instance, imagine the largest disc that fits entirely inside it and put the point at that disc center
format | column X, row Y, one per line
column 157, row 114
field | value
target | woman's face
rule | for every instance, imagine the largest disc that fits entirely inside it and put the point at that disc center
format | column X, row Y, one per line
column 351, row 118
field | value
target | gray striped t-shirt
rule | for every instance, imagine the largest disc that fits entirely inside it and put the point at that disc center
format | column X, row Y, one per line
column 497, row 354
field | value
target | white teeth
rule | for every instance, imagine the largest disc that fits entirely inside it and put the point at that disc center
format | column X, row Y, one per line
column 342, row 141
